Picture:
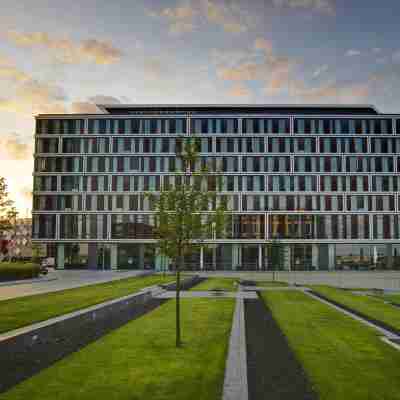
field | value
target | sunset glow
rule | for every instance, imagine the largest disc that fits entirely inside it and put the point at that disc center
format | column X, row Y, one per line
column 58, row 58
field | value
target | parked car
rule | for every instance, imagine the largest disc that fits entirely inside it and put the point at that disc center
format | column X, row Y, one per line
column 48, row 262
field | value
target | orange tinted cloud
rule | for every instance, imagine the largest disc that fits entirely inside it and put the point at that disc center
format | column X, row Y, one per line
column 13, row 148
column 324, row 6
column 272, row 71
column 26, row 192
column 9, row 71
column 243, row 72
column 335, row 93
column 239, row 91
column 33, row 97
column 65, row 50
column 188, row 15
column 181, row 18
column 230, row 16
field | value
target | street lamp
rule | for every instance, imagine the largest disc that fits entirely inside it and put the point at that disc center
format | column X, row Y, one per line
column 213, row 232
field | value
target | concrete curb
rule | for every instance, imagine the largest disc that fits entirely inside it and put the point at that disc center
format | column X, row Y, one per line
column 25, row 281
column 235, row 382
column 151, row 290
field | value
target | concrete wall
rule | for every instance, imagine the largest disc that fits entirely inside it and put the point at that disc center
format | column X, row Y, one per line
column 28, row 350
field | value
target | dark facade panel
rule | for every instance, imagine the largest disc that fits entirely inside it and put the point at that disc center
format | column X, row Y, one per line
column 262, row 109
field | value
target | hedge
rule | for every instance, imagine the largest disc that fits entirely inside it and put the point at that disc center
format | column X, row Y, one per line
column 16, row 270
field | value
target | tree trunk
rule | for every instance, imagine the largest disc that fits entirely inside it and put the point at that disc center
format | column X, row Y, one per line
column 177, row 292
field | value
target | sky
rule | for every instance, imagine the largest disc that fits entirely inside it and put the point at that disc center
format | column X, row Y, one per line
column 63, row 57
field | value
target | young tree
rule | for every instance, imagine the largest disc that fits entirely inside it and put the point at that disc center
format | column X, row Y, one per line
column 8, row 213
column 182, row 218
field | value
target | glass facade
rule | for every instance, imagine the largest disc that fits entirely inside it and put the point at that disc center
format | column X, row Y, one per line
column 326, row 178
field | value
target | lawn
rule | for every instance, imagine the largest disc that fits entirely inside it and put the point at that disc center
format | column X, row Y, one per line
column 393, row 298
column 343, row 358
column 22, row 311
column 140, row 360
column 371, row 306
column 217, row 283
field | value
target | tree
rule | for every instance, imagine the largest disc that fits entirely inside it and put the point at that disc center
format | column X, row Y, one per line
column 8, row 213
column 187, row 213
column 8, row 220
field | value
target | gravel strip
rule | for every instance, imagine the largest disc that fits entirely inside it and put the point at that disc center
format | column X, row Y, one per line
column 273, row 372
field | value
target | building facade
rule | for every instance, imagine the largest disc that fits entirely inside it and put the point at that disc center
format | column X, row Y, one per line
column 321, row 181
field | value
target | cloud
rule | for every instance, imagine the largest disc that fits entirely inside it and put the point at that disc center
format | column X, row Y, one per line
column 273, row 71
column 65, row 50
column 26, row 192
column 89, row 106
column 230, row 57
column 323, row 6
column 230, row 16
column 263, row 44
column 10, row 72
column 187, row 16
column 239, row 90
column 320, row 70
column 334, row 93
column 181, row 18
column 33, row 97
column 100, row 52
column 13, row 148
column 243, row 72
column 277, row 75
column 352, row 53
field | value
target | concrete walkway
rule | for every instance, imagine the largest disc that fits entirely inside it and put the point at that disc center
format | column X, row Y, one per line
column 347, row 279
column 170, row 294
column 60, row 280
column 235, row 382
column 270, row 288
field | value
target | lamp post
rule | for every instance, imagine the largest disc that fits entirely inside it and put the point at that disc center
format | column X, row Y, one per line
column 213, row 232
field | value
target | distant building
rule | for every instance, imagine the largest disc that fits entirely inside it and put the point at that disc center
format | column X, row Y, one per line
column 323, row 180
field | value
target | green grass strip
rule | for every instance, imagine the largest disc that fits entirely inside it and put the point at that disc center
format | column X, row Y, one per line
column 217, row 283
column 371, row 306
column 343, row 358
column 139, row 361
column 394, row 298
column 18, row 312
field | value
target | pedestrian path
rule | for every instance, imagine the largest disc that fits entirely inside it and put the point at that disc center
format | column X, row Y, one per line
column 271, row 288
column 171, row 294
column 57, row 280
column 235, row 382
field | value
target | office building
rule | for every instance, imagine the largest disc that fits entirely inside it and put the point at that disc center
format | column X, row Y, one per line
column 320, row 180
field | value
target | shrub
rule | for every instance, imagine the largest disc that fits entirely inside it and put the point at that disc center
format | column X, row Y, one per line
column 14, row 271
